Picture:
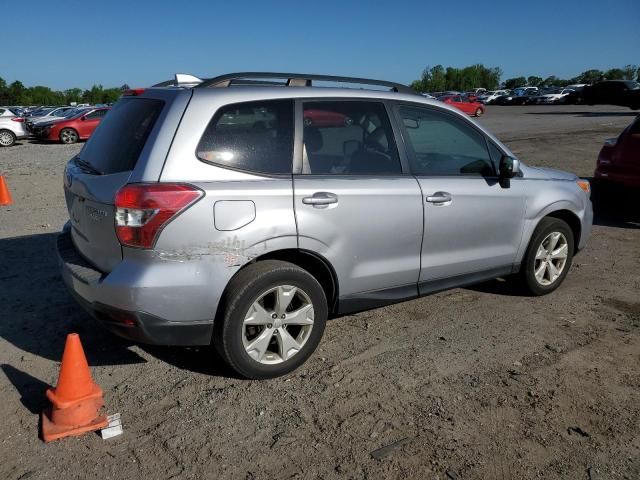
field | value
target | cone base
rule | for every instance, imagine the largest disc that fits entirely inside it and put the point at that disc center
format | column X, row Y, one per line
column 51, row 431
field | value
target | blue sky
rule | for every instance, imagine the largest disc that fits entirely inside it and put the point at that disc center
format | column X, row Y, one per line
column 140, row 43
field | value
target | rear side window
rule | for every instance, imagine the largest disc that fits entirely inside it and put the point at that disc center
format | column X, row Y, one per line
column 348, row 138
column 116, row 144
column 255, row 136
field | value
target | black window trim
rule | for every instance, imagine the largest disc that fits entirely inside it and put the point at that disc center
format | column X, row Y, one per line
column 409, row 148
column 245, row 170
column 299, row 124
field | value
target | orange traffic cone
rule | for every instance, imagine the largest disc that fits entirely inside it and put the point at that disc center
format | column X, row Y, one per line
column 76, row 399
column 5, row 195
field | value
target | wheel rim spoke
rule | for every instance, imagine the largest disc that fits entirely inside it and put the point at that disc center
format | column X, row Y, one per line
column 258, row 347
column 284, row 296
column 257, row 315
column 287, row 345
column 561, row 252
column 302, row 316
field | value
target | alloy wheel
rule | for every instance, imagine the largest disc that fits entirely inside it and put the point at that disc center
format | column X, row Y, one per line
column 6, row 139
column 278, row 324
column 551, row 258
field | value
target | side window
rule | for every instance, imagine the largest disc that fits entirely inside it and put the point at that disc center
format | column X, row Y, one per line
column 96, row 115
column 255, row 136
column 444, row 145
column 348, row 138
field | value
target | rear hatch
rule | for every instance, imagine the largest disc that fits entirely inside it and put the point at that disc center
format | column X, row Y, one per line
column 117, row 148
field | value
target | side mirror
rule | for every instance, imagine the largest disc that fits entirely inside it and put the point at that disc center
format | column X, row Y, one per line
column 509, row 168
column 83, row 118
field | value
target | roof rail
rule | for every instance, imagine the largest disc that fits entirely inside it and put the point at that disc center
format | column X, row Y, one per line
column 293, row 80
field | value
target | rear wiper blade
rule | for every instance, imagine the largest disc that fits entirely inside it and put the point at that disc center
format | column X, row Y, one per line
column 86, row 165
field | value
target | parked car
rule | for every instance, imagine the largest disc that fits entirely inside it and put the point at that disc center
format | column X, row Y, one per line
column 465, row 104
column 625, row 93
column 526, row 98
column 11, row 128
column 324, row 118
column 553, row 96
column 37, row 127
column 49, row 114
column 619, row 158
column 488, row 97
column 79, row 127
column 186, row 232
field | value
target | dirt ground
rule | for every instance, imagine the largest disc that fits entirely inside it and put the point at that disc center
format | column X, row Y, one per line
column 477, row 383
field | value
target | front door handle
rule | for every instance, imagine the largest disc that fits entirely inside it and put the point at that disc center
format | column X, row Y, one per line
column 439, row 198
column 321, row 199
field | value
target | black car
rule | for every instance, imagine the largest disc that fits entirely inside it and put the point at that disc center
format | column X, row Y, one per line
column 527, row 98
column 625, row 93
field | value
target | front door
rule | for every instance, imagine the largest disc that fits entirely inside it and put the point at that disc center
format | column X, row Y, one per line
column 473, row 226
column 354, row 204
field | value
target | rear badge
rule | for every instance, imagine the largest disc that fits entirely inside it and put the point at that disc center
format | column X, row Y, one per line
column 95, row 214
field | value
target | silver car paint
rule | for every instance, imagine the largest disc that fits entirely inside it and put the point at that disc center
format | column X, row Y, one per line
column 372, row 237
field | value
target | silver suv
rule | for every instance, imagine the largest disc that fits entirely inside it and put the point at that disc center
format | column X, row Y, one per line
column 246, row 209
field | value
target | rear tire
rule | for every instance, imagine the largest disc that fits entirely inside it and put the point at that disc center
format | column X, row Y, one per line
column 271, row 319
column 548, row 256
column 68, row 136
column 7, row 138
column 478, row 113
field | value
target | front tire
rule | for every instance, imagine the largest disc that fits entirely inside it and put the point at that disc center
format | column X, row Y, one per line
column 271, row 319
column 7, row 138
column 68, row 136
column 548, row 257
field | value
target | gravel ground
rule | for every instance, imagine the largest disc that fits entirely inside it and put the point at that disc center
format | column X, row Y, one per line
column 476, row 383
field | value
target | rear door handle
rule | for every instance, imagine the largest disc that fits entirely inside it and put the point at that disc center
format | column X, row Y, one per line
column 439, row 198
column 320, row 199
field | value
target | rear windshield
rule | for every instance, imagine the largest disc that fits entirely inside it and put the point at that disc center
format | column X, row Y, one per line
column 116, row 144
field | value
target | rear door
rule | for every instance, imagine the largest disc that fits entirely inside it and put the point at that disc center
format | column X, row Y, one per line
column 88, row 123
column 354, row 203
column 472, row 226
column 101, row 168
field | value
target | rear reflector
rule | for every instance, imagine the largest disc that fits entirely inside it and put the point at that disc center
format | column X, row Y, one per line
column 144, row 209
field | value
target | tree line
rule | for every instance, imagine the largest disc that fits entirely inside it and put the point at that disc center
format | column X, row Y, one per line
column 17, row 94
column 438, row 79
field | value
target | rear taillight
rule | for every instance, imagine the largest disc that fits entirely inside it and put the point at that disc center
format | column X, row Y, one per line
column 144, row 209
column 17, row 119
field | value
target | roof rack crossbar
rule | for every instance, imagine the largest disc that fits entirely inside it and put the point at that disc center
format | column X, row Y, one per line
column 298, row 80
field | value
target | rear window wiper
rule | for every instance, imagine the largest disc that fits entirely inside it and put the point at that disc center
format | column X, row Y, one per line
column 87, row 166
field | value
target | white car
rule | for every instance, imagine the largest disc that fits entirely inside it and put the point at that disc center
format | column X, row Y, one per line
column 11, row 128
column 555, row 97
column 492, row 95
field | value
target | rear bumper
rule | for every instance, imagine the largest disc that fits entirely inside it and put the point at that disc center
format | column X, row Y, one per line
column 85, row 284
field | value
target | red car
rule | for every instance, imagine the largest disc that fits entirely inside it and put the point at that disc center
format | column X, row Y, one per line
column 465, row 104
column 75, row 128
column 619, row 159
column 326, row 118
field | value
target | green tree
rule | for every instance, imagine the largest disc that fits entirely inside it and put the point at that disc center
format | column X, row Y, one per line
column 534, row 81
column 589, row 76
column 629, row 72
column 511, row 83
column 614, row 74
column 73, row 95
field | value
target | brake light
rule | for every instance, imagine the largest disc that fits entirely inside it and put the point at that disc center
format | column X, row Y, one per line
column 133, row 92
column 17, row 119
column 144, row 209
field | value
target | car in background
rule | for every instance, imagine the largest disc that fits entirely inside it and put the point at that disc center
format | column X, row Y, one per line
column 37, row 127
column 79, row 127
column 11, row 128
column 488, row 97
column 619, row 159
column 464, row 103
column 325, row 118
column 52, row 114
column 625, row 93
column 553, row 96
column 526, row 98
